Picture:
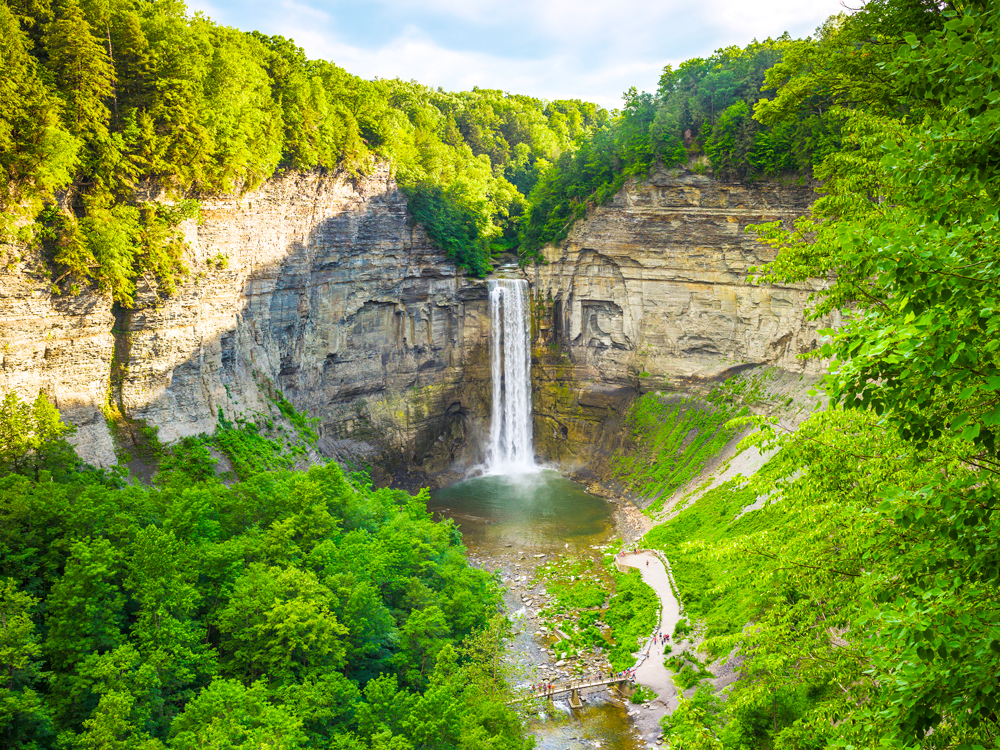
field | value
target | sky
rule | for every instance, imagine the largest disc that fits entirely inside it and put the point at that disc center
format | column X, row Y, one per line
column 552, row 49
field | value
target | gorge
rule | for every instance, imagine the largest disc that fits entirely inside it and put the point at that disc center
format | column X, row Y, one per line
column 319, row 287
column 259, row 297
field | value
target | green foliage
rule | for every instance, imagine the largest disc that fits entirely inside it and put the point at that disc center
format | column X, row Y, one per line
column 672, row 440
column 574, row 584
column 100, row 98
column 906, row 236
column 227, row 714
column 693, row 723
column 687, row 668
column 250, row 451
column 36, row 152
column 579, row 588
column 632, row 614
column 747, row 388
column 33, row 437
column 255, row 445
column 192, row 613
column 686, row 678
column 703, row 107
column 681, row 629
column 22, row 711
column 642, row 694
column 303, row 423
column 451, row 226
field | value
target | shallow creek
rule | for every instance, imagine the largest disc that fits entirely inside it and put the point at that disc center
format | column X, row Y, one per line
column 513, row 524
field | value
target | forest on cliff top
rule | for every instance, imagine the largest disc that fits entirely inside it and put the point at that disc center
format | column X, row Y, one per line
column 101, row 100
column 865, row 599
column 104, row 104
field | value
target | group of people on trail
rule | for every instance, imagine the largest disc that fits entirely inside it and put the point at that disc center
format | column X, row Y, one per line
column 661, row 639
column 548, row 687
column 630, row 551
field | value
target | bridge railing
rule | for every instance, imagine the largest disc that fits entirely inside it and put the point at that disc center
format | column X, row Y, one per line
column 570, row 687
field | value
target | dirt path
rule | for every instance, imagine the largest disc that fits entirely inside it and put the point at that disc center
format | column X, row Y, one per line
column 650, row 671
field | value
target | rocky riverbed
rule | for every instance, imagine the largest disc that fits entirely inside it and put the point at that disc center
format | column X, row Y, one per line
column 514, row 526
column 534, row 661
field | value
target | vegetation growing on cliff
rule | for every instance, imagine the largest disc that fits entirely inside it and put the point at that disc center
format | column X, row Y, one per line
column 857, row 573
column 672, row 440
column 98, row 101
column 289, row 610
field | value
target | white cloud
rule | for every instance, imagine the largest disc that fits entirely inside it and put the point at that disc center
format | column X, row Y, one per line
column 306, row 10
column 588, row 49
column 414, row 56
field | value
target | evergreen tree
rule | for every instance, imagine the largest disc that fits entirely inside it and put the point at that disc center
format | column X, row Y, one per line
column 84, row 75
column 36, row 153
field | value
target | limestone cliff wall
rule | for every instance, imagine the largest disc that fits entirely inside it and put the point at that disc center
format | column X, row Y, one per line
column 651, row 292
column 316, row 285
column 60, row 345
column 327, row 294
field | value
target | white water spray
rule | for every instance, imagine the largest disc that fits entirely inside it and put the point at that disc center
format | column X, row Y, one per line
column 510, row 450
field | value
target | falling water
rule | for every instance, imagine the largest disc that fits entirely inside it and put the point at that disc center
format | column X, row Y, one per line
column 510, row 449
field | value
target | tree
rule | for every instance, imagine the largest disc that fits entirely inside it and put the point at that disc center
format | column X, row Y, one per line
column 85, row 76
column 85, row 606
column 423, row 634
column 279, row 625
column 32, row 436
column 36, row 154
column 22, row 711
column 226, row 715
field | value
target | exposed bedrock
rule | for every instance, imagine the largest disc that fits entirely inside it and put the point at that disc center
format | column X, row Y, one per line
column 327, row 294
column 317, row 285
column 651, row 292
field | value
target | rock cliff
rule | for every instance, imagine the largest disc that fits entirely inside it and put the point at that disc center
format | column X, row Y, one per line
column 651, row 292
column 315, row 285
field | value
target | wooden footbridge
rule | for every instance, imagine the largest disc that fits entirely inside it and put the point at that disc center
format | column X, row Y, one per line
column 623, row 685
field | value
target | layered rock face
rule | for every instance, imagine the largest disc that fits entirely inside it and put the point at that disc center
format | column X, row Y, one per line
column 59, row 345
column 651, row 292
column 317, row 286
column 314, row 285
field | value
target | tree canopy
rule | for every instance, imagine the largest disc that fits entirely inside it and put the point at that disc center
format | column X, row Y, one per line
column 292, row 610
column 101, row 100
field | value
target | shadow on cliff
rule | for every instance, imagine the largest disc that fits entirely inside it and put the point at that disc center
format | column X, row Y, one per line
column 360, row 323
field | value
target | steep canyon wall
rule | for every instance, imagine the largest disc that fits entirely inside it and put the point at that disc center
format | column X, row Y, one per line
column 650, row 292
column 315, row 285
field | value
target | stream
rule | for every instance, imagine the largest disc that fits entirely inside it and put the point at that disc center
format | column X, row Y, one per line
column 513, row 524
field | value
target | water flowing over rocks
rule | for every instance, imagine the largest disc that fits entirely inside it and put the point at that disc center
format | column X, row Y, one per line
column 317, row 285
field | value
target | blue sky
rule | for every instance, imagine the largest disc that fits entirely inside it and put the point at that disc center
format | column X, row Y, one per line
column 553, row 49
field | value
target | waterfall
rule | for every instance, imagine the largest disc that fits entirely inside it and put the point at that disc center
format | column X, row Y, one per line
column 510, row 447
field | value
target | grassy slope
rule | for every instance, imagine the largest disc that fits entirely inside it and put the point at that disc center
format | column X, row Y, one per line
column 674, row 439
